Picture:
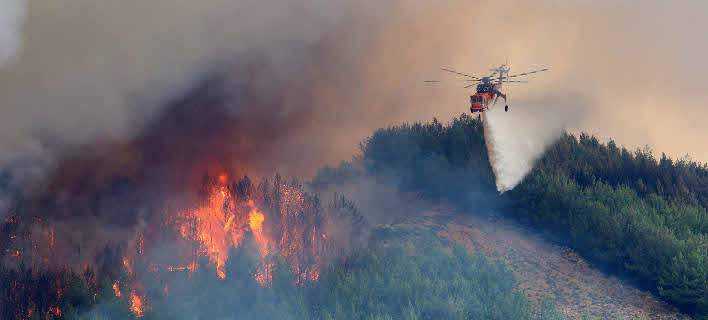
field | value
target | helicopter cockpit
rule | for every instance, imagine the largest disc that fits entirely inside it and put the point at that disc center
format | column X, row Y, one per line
column 485, row 87
column 476, row 99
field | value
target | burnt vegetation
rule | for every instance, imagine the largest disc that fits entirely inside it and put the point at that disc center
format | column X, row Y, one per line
column 146, row 228
column 402, row 272
column 388, row 272
column 625, row 211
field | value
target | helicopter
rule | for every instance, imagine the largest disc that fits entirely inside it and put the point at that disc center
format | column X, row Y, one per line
column 489, row 88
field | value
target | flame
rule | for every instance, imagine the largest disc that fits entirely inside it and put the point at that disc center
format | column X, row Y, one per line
column 314, row 275
column 55, row 311
column 280, row 220
column 219, row 225
column 255, row 222
column 116, row 288
column 52, row 237
column 264, row 276
column 223, row 178
column 211, row 226
column 136, row 304
column 128, row 265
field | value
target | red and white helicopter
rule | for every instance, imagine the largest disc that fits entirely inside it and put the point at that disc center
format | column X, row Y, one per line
column 489, row 88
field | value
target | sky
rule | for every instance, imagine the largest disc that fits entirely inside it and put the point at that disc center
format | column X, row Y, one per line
column 78, row 71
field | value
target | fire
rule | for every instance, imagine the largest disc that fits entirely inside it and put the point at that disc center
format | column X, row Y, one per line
column 211, row 225
column 127, row 265
column 225, row 217
column 264, row 275
column 282, row 221
column 55, row 311
column 116, row 288
column 255, row 222
column 136, row 304
column 223, row 178
column 221, row 224
column 52, row 238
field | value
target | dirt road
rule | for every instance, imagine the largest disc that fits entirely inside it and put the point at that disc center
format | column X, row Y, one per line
column 550, row 272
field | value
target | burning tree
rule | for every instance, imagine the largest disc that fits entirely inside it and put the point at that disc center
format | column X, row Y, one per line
column 277, row 220
column 122, row 218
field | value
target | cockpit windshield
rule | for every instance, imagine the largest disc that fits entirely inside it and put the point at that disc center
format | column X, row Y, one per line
column 484, row 87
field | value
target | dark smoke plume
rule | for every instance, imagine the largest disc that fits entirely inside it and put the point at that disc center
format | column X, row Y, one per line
column 236, row 121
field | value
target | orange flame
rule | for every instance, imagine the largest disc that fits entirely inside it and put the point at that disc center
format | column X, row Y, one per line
column 211, row 226
column 116, row 288
column 255, row 222
column 55, row 311
column 264, row 276
column 281, row 219
column 136, row 304
column 128, row 265
column 219, row 225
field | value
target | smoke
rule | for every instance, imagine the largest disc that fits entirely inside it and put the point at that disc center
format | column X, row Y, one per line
column 378, row 199
column 111, row 109
column 109, row 103
column 225, row 124
column 89, row 72
column 12, row 14
column 111, row 131
column 642, row 76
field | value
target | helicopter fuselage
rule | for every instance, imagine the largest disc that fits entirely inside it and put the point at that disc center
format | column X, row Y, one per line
column 487, row 93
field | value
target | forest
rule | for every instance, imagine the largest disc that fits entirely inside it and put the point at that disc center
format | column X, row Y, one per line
column 626, row 211
column 396, row 271
column 404, row 273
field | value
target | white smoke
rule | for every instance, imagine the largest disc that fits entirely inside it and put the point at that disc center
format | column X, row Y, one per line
column 12, row 15
column 516, row 139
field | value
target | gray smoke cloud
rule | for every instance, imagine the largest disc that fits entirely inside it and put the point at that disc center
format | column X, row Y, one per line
column 12, row 14
column 93, row 71
column 97, row 71
column 640, row 77
column 90, row 71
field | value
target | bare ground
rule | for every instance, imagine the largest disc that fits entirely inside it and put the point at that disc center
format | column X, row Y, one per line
column 548, row 272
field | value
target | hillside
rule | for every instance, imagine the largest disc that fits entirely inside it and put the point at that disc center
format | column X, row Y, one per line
column 551, row 273
column 625, row 212
column 594, row 230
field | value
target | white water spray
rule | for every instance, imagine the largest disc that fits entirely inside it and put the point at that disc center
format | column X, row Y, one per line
column 515, row 140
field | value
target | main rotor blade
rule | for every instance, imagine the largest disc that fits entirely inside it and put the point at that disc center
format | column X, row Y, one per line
column 527, row 73
column 459, row 73
column 474, row 81
column 514, row 81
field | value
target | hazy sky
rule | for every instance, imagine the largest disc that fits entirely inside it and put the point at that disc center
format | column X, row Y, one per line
column 634, row 71
column 631, row 70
